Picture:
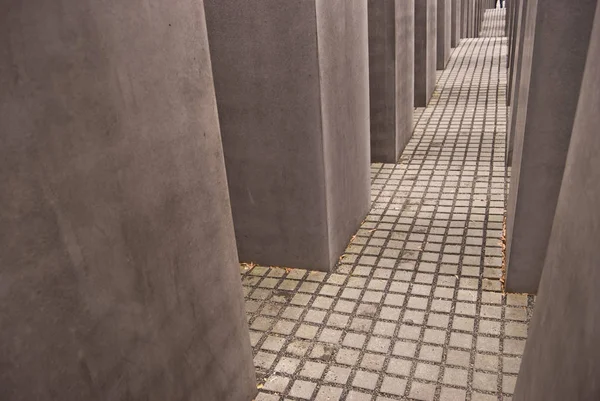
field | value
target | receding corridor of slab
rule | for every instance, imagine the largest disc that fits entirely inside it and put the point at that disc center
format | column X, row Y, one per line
column 415, row 308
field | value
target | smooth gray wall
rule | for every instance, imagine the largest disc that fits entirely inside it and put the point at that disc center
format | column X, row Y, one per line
column 562, row 354
column 444, row 33
column 293, row 95
column 425, row 50
column 391, row 77
column 118, row 270
column 547, row 108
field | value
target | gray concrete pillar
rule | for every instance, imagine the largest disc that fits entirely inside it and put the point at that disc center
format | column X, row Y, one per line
column 562, row 355
column 515, row 71
column 513, row 38
column 548, row 91
column 507, row 22
column 444, row 33
column 456, row 23
column 480, row 11
column 292, row 85
column 464, row 18
column 471, row 19
column 477, row 17
column 391, row 76
column 119, row 273
column 425, row 50
column 508, row 17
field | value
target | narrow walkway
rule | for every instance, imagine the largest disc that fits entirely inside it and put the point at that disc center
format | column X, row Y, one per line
column 414, row 309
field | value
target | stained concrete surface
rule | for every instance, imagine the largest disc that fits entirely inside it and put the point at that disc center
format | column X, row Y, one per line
column 425, row 50
column 391, row 77
column 546, row 112
column 444, row 33
column 118, row 266
column 562, row 356
column 292, row 91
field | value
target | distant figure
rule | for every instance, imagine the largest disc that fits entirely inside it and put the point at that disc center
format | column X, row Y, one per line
column 501, row 2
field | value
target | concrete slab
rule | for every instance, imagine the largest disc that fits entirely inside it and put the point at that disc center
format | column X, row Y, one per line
column 391, row 77
column 456, row 23
column 292, row 86
column 444, row 33
column 515, row 70
column 425, row 50
column 561, row 359
column 548, row 93
column 119, row 271
column 464, row 19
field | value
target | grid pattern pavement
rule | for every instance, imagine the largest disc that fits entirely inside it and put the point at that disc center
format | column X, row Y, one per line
column 414, row 310
column 493, row 23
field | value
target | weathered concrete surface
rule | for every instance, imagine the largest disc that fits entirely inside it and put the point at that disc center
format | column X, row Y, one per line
column 547, row 105
column 562, row 355
column 425, row 50
column 391, row 76
column 456, row 23
column 444, row 33
column 118, row 269
column 292, row 88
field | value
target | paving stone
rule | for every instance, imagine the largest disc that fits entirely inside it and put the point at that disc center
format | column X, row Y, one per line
column 404, row 348
column 328, row 393
column 513, row 329
column 287, row 365
column 303, row 389
column 489, row 327
column 485, row 381
column 384, row 329
column 515, row 347
column 458, row 358
column 314, row 370
column 264, row 360
column 456, row 377
column 400, row 367
column 266, row 397
column 337, row 374
column 488, row 344
column 358, row 396
column 393, row 385
column 364, row 379
column 422, row 391
column 427, row 372
column 373, row 361
column 276, row 383
column 452, row 394
column 511, row 364
column 461, row 340
column 431, row 353
column 354, row 340
column 409, row 332
column 508, row 384
column 347, row 356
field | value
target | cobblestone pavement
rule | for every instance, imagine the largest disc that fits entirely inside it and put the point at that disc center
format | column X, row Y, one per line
column 414, row 309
